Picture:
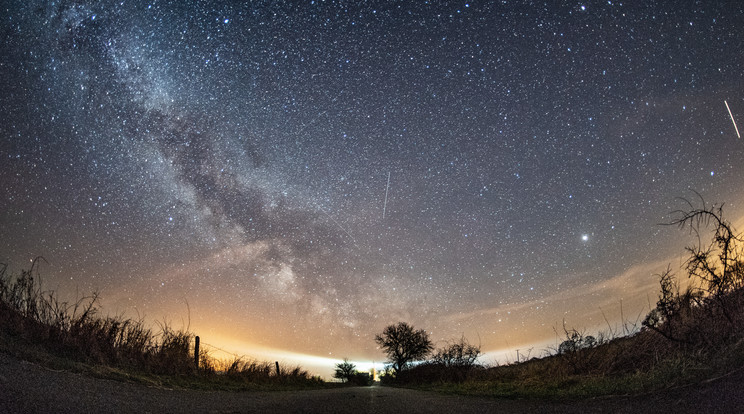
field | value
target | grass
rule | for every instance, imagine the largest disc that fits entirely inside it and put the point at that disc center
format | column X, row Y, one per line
column 609, row 370
column 36, row 325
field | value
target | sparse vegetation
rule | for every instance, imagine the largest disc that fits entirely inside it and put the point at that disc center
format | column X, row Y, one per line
column 36, row 324
column 348, row 374
column 709, row 312
column 403, row 345
column 692, row 334
column 457, row 354
column 453, row 363
column 345, row 370
column 695, row 331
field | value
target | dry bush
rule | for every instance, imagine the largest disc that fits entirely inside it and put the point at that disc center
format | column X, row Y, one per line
column 457, row 354
column 75, row 330
column 29, row 315
column 709, row 312
column 247, row 369
column 455, row 362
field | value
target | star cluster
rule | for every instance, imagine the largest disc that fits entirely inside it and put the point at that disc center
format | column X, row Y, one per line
column 302, row 174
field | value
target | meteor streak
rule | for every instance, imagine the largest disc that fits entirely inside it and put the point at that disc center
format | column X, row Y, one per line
column 339, row 225
column 384, row 206
column 732, row 119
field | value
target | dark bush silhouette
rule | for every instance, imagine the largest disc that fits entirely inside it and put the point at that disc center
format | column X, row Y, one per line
column 403, row 345
column 710, row 309
column 361, row 379
column 31, row 317
column 673, row 316
column 457, row 354
column 577, row 350
column 345, row 371
column 455, row 362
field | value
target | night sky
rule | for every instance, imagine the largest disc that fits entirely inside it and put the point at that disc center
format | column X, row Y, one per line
column 295, row 176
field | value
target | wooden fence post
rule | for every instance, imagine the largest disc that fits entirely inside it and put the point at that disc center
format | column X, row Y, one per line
column 196, row 352
column 278, row 373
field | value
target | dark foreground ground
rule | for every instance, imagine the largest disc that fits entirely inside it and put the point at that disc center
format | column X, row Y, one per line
column 30, row 388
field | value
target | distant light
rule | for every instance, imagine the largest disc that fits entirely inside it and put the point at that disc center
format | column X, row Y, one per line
column 583, row 8
column 227, row 21
column 585, row 237
column 712, row 173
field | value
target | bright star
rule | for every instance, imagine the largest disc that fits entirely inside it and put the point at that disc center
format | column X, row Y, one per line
column 585, row 237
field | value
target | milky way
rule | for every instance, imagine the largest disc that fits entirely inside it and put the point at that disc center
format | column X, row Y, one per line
column 297, row 175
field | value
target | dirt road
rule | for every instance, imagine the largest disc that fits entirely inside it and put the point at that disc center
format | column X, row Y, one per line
column 29, row 388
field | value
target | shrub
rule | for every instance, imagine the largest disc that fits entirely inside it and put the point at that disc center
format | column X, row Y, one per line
column 457, row 354
column 29, row 315
column 362, row 379
column 345, row 371
column 709, row 312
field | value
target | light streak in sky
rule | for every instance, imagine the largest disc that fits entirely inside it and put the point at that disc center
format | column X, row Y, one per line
column 732, row 119
column 387, row 187
column 338, row 224
column 353, row 240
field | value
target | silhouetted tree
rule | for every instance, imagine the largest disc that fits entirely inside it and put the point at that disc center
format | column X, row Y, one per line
column 671, row 316
column 575, row 341
column 345, row 371
column 403, row 345
column 457, row 354
column 719, row 265
column 716, row 273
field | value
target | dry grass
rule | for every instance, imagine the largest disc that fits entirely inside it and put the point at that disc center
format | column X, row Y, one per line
column 36, row 324
column 642, row 362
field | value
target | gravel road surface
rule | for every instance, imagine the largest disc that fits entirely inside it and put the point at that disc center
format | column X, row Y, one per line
column 27, row 387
